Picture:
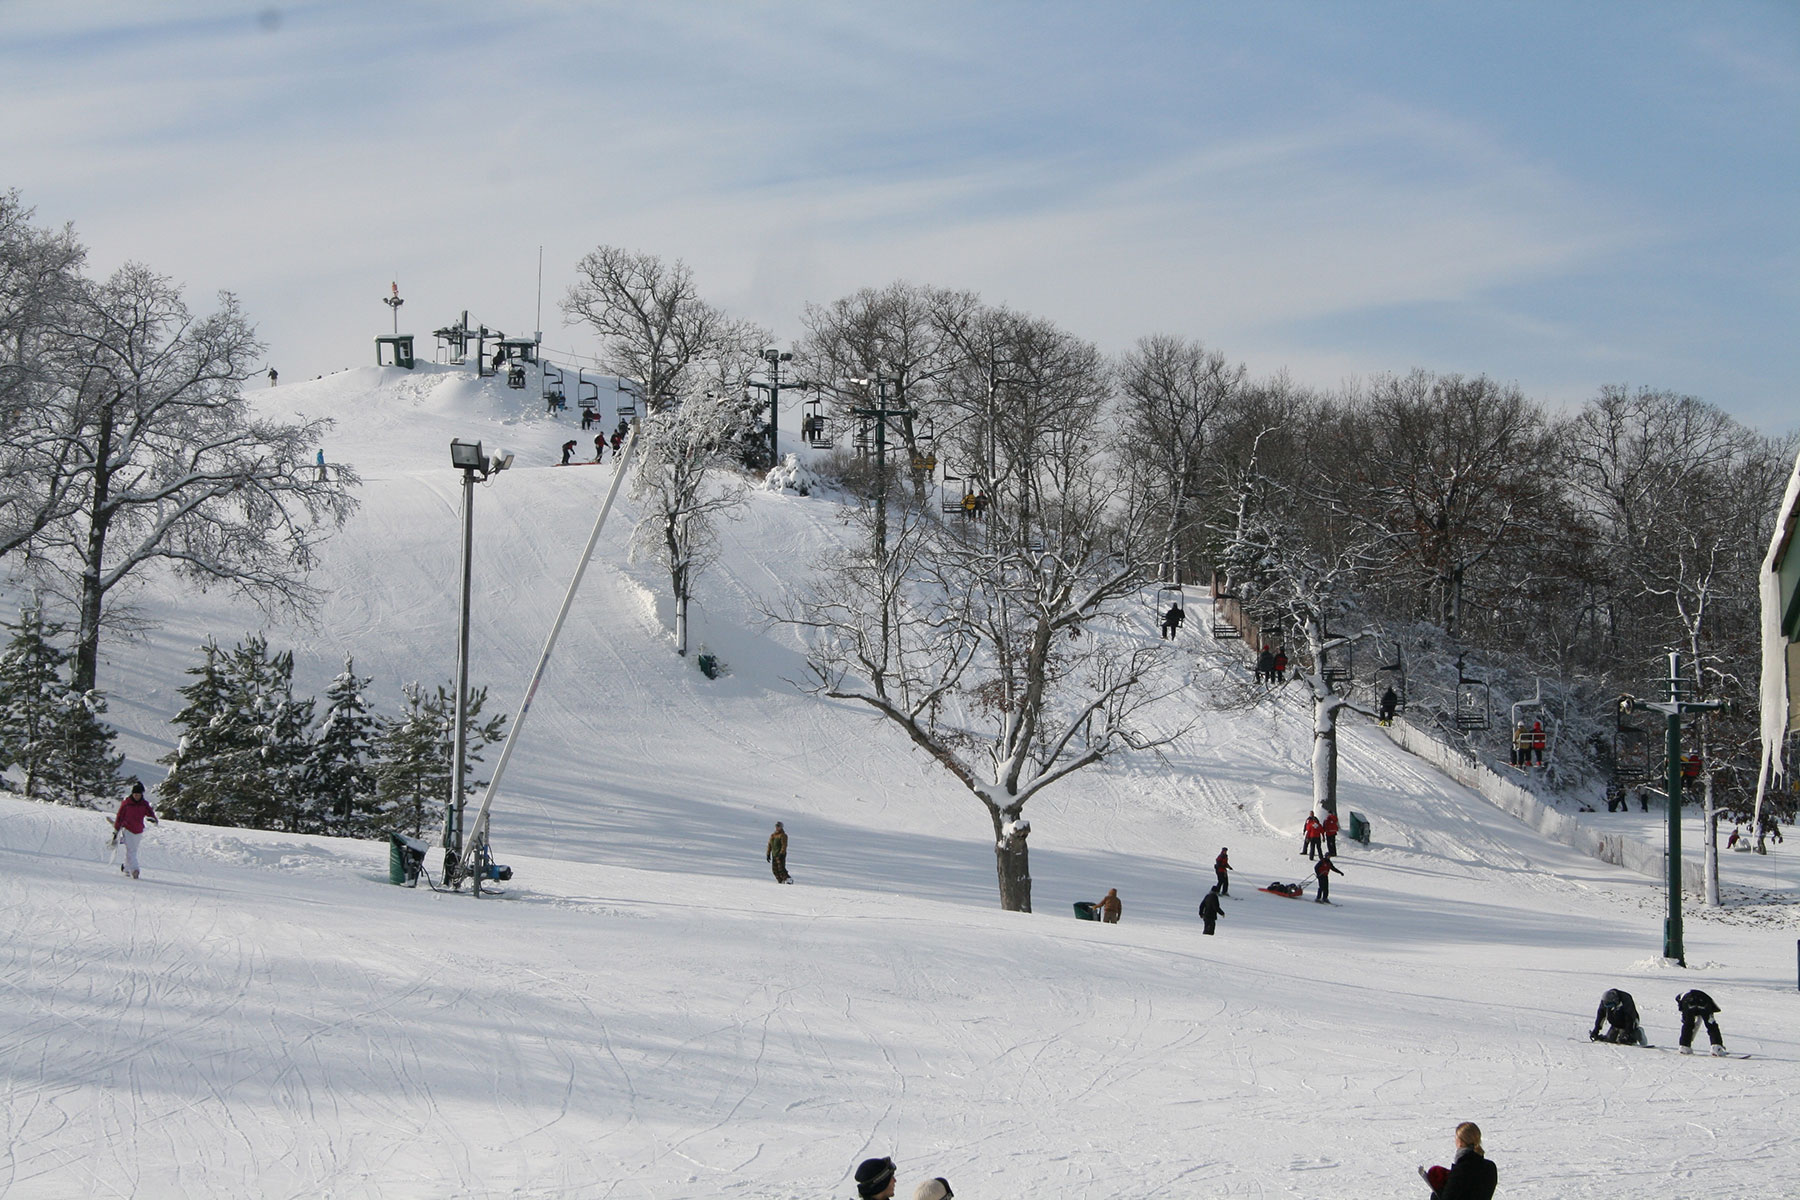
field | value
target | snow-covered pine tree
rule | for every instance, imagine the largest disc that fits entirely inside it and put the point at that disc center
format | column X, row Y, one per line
column 244, row 745
column 341, row 774
column 48, row 729
column 203, row 734
column 413, row 774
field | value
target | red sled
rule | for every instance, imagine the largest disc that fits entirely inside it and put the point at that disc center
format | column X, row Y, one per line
column 1281, row 889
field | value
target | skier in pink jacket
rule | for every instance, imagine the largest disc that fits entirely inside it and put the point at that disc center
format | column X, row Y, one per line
column 129, row 822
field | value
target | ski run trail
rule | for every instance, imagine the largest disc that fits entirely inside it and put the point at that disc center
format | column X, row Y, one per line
column 645, row 1013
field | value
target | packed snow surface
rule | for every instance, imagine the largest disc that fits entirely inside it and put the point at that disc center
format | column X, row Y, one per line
column 645, row 1013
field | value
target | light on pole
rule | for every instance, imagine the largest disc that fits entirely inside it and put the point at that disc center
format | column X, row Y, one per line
column 774, row 358
column 468, row 458
column 394, row 302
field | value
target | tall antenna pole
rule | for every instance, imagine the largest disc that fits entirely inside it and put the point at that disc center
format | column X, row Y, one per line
column 540, row 310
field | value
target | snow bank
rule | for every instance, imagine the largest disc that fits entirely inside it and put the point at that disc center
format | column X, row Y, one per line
column 1560, row 827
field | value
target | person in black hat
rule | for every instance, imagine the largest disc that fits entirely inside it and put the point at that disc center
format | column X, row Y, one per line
column 875, row 1179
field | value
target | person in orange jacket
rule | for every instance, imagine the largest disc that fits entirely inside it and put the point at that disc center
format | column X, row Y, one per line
column 1310, row 834
column 1330, row 828
column 1537, row 743
column 1110, row 908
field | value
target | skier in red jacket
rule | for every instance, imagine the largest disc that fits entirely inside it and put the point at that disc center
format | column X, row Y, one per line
column 1331, row 831
column 133, row 812
column 1325, row 870
column 1222, row 868
column 1310, row 834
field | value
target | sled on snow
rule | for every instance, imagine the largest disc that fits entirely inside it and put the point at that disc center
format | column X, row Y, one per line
column 1293, row 891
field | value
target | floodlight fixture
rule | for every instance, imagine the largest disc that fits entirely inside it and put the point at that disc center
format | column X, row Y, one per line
column 466, row 456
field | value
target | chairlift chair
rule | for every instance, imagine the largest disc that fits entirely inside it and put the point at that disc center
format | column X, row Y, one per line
column 957, row 495
column 1339, row 670
column 1474, row 701
column 1223, row 628
column 628, row 397
column 812, row 424
column 552, row 379
column 515, row 377
column 587, row 392
column 1397, row 669
column 1169, row 594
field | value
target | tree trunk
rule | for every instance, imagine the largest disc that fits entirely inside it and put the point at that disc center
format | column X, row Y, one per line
column 1712, row 846
column 1324, row 756
column 87, row 636
column 1012, row 861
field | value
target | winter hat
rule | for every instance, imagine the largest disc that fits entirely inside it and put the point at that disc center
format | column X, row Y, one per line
column 933, row 1189
column 872, row 1176
column 1436, row 1178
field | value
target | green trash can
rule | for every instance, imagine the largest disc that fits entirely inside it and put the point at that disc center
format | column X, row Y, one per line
column 1359, row 828
column 1084, row 911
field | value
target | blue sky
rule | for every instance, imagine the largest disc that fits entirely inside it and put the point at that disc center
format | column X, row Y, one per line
column 1559, row 195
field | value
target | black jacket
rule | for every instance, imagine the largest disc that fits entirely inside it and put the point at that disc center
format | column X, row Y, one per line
column 1209, row 905
column 1696, row 1003
column 1472, row 1177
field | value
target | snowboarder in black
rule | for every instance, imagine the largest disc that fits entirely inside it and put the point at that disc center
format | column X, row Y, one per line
column 1325, row 870
column 1389, row 702
column 1172, row 620
column 1222, row 868
column 1209, row 910
column 1697, row 1007
column 1618, row 1012
column 568, row 449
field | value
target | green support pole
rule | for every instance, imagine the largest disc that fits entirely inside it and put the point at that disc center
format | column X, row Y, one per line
column 1672, row 929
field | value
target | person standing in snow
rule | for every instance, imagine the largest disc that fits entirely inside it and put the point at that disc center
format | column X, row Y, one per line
column 273, row 376
column 599, row 446
column 1325, row 870
column 1697, row 1007
column 1310, row 833
column 618, row 439
column 1110, row 908
column 1330, row 829
column 1209, row 910
column 129, row 825
column 1171, row 622
column 1618, row 1012
column 1471, row 1176
column 568, row 449
column 320, row 463
column 776, row 854
column 1222, row 868
column 875, row 1179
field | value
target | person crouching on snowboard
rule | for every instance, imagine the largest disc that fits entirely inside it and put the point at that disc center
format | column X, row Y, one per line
column 129, row 823
column 1696, row 1006
column 1619, row 1013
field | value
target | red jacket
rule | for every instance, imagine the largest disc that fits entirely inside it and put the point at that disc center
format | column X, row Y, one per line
column 132, row 814
column 1219, row 864
column 1313, row 829
column 1331, row 824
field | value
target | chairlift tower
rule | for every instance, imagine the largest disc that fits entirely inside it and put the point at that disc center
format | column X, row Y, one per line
column 1673, row 710
column 878, row 416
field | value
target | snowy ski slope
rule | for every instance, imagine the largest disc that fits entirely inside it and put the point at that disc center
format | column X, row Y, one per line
column 646, row 1014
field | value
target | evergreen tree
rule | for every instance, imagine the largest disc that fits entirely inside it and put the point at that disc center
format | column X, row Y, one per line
column 341, row 774
column 244, row 750
column 413, row 779
column 50, row 730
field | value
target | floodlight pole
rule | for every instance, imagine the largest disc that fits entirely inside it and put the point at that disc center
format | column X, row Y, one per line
column 453, row 815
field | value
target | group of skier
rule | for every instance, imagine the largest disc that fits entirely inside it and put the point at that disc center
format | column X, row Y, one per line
column 1528, row 744
column 600, row 443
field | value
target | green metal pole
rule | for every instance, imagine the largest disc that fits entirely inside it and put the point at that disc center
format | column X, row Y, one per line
column 1672, row 929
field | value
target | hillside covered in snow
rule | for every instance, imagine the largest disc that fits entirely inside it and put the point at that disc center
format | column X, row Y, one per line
column 645, row 1013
